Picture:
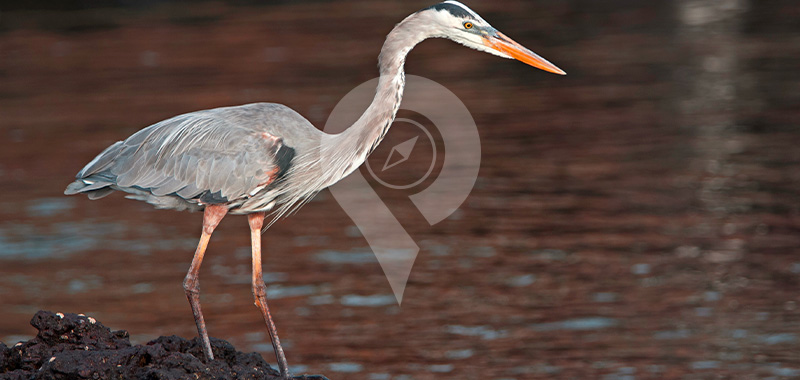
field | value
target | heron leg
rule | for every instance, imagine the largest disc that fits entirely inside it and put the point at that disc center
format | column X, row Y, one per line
column 191, row 284
column 260, row 291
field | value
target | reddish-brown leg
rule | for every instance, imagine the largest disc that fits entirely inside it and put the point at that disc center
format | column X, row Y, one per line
column 260, row 291
column 191, row 284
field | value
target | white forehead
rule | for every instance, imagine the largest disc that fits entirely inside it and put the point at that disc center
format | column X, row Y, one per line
column 464, row 7
column 453, row 9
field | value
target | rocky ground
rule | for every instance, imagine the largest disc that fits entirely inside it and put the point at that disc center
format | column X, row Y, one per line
column 74, row 346
column 637, row 218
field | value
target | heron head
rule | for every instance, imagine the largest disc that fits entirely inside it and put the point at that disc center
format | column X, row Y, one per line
column 455, row 21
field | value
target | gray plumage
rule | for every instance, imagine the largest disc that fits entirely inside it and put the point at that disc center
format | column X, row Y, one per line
column 230, row 155
column 265, row 156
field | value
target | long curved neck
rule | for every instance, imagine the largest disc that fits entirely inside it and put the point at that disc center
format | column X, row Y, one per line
column 367, row 132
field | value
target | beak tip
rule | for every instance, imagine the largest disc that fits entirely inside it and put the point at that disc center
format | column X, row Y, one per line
column 511, row 49
column 555, row 70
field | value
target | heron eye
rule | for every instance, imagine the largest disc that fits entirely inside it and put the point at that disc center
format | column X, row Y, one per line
column 468, row 25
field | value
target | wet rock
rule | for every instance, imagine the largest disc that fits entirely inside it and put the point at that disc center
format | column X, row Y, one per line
column 73, row 346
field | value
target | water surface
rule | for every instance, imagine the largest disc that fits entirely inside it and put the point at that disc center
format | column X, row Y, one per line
column 637, row 218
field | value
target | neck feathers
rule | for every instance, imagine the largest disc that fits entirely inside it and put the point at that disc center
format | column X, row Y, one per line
column 368, row 131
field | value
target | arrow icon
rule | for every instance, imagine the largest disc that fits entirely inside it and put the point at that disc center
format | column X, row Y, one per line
column 403, row 150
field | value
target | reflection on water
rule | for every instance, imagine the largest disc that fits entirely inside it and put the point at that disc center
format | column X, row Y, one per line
column 590, row 323
column 369, row 301
column 32, row 241
column 361, row 256
column 46, row 207
column 635, row 219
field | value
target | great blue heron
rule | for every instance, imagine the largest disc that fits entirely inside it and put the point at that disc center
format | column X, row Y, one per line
column 265, row 157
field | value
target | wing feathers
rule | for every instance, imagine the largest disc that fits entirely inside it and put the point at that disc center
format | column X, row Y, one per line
column 218, row 155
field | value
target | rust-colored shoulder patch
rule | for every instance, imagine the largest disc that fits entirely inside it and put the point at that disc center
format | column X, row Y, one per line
column 279, row 159
column 271, row 138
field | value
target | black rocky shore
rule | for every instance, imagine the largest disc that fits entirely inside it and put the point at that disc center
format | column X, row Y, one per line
column 74, row 346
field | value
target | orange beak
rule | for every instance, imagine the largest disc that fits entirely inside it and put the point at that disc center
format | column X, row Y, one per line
column 503, row 44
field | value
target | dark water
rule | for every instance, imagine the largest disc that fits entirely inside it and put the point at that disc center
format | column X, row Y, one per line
column 636, row 219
